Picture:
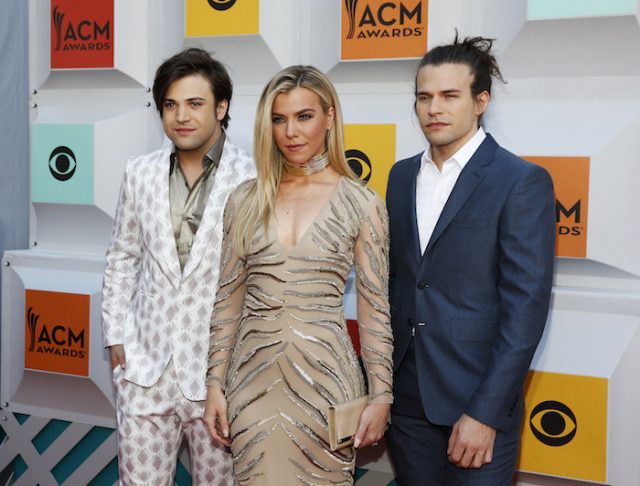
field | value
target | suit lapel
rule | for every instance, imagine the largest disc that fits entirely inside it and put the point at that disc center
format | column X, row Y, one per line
column 212, row 214
column 412, row 222
column 475, row 170
column 166, row 241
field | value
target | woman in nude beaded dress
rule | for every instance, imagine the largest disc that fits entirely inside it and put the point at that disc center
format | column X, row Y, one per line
column 280, row 352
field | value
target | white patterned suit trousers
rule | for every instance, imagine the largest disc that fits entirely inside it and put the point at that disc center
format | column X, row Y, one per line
column 152, row 422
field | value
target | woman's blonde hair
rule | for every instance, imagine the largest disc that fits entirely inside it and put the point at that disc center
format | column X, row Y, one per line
column 260, row 200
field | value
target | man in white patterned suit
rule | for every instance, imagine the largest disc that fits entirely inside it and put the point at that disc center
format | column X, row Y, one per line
column 162, row 272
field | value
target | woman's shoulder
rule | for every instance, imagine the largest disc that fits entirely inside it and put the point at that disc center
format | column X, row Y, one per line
column 239, row 194
column 362, row 193
column 242, row 189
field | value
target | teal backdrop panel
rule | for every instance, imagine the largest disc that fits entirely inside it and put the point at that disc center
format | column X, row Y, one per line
column 559, row 9
column 84, row 460
column 62, row 163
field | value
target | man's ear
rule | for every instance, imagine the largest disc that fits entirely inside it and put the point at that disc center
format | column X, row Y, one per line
column 482, row 103
column 221, row 109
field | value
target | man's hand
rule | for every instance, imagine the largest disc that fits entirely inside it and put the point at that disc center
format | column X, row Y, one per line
column 116, row 354
column 471, row 443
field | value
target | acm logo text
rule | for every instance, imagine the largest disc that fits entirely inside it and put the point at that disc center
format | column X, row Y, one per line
column 390, row 19
column 57, row 340
column 566, row 214
column 85, row 35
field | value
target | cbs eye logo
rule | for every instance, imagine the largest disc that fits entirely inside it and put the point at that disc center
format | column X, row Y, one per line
column 553, row 423
column 221, row 5
column 359, row 163
column 62, row 163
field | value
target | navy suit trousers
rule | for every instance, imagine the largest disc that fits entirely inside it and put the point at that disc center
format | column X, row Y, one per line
column 418, row 447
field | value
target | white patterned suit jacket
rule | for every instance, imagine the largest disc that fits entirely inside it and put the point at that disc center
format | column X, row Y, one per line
column 149, row 305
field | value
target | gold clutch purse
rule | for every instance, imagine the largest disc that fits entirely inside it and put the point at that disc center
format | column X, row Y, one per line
column 343, row 421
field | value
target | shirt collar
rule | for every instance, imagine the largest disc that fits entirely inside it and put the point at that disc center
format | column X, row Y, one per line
column 464, row 153
column 212, row 157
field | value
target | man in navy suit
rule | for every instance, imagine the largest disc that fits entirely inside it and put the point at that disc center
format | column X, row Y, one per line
column 472, row 249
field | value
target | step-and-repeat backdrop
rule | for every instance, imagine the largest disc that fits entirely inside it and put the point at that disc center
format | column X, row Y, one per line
column 571, row 105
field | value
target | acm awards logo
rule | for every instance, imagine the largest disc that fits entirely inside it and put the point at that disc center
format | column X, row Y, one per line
column 360, row 164
column 62, row 163
column 57, row 340
column 83, row 35
column 387, row 20
column 221, row 5
column 553, row 423
column 57, row 332
column 567, row 229
column 570, row 176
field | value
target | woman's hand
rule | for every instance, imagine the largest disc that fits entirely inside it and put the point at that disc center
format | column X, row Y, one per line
column 215, row 415
column 373, row 423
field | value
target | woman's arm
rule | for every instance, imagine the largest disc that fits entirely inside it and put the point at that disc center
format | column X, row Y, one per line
column 225, row 322
column 376, row 338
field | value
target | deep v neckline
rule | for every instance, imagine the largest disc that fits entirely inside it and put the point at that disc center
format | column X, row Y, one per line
column 273, row 223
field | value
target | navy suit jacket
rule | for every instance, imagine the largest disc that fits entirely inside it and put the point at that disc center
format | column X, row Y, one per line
column 478, row 297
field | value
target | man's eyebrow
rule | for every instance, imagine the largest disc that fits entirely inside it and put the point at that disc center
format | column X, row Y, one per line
column 445, row 91
column 194, row 98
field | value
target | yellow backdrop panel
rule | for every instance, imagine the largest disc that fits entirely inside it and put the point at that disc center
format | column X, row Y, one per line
column 222, row 17
column 565, row 426
column 371, row 151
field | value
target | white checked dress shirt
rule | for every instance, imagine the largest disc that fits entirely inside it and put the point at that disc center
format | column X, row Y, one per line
column 433, row 187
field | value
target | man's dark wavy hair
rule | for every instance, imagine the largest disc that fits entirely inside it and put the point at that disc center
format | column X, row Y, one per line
column 186, row 63
column 475, row 52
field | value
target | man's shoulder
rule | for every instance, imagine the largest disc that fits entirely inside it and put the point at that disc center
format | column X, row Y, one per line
column 155, row 158
column 409, row 161
column 406, row 165
column 234, row 155
column 513, row 167
column 505, row 154
column 515, row 162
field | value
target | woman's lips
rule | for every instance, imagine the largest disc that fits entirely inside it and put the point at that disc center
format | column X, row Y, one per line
column 295, row 148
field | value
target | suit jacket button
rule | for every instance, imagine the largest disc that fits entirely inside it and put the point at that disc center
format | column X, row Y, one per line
column 410, row 322
column 422, row 285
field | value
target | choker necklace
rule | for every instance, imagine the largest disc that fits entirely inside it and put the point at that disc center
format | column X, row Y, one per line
column 316, row 164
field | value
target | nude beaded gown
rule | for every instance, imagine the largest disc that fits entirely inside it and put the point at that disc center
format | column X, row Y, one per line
column 280, row 346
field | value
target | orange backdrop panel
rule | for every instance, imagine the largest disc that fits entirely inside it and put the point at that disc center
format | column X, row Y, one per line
column 382, row 29
column 57, row 332
column 571, row 182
